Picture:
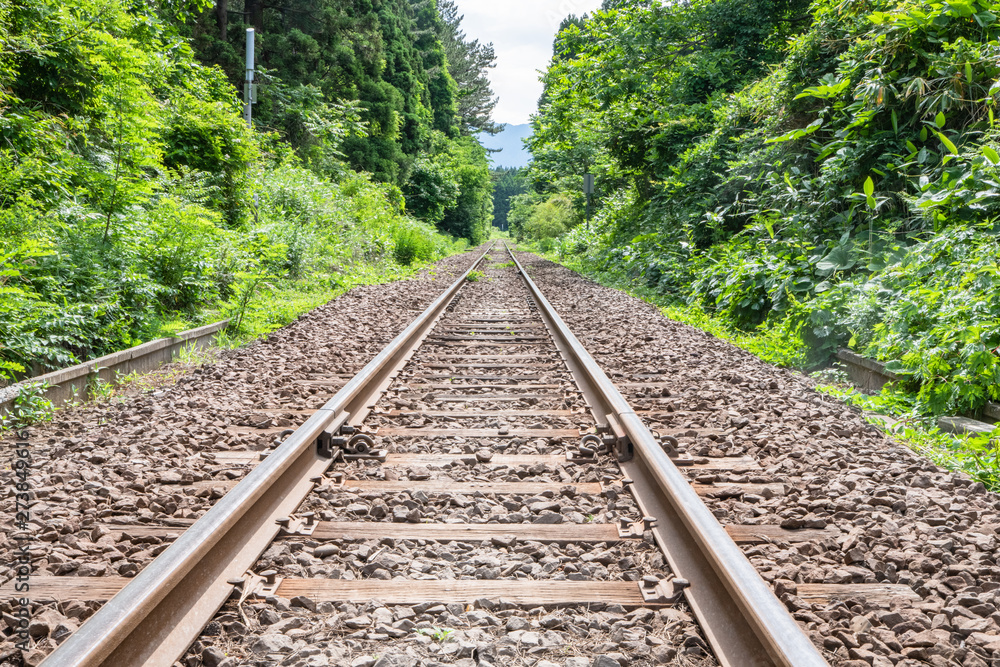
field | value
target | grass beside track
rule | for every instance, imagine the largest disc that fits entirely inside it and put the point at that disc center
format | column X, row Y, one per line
column 272, row 305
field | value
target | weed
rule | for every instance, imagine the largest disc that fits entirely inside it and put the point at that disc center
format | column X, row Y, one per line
column 99, row 389
column 832, row 375
column 475, row 276
column 136, row 380
column 412, row 245
column 193, row 354
column 224, row 340
column 436, row 633
column 30, row 407
column 248, row 287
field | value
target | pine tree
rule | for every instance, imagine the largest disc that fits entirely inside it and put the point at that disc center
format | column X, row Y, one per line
column 469, row 62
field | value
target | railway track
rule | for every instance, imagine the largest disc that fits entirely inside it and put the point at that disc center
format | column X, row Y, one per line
column 482, row 460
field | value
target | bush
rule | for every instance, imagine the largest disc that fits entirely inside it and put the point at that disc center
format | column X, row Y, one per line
column 181, row 247
column 202, row 136
column 550, row 218
column 412, row 245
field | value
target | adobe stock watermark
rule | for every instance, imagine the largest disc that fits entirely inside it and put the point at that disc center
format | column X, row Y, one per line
column 21, row 565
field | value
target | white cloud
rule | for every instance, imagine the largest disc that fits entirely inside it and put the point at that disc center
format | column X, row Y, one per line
column 522, row 32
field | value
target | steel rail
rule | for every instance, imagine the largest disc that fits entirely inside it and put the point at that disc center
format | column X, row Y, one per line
column 152, row 621
column 746, row 625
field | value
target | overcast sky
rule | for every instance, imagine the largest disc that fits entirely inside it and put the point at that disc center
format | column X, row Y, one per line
column 522, row 32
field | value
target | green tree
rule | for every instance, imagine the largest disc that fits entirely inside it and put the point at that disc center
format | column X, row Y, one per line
column 507, row 183
column 442, row 88
column 473, row 211
column 550, row 218
column 469, row 63
column 451, row 187
column 364, row 56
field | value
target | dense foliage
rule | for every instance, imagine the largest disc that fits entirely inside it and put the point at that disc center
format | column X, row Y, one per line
column 401, row 69
column 135, row 201
column 827, row 171
column 508, row 182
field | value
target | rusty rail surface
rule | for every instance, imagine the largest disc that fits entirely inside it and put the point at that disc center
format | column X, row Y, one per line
column 152, row 621
column 745, row 623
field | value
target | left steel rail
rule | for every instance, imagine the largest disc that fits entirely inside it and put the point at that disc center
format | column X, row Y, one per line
column 152, row 621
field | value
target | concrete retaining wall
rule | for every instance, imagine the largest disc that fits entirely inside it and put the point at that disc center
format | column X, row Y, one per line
column 867, row 375
column 71, row 383
column 870, row 376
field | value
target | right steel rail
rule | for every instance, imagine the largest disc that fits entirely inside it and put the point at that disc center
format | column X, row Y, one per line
column 745, row 623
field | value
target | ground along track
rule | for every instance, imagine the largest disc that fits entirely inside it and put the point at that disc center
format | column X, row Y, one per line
column 475, row 518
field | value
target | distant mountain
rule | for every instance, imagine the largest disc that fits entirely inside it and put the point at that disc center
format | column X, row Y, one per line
column 513, row 153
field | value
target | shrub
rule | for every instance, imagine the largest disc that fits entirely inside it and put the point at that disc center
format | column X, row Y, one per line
column 180, row 247
column 550, row 218
column 412, row 245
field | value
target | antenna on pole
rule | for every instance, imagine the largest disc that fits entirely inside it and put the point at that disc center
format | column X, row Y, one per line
column 249, row 87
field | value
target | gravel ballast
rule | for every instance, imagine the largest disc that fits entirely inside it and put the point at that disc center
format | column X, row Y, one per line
column 160, row 458
column 901, row 518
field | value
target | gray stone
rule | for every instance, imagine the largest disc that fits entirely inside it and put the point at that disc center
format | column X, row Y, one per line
column 286, row 624
column 304, row 602
column 212, row 657
column 396, row 660
column 605, row 661
column 324, row 550
column 663, row 654
column 544, row 506
column 63, row 629
column 531, row 639
column 860, row 624
column 272, row 643
column 269, row 617
column 514, row 624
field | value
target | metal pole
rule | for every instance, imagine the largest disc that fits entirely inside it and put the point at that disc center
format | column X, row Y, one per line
column 248, row 84
column 588, row 189
column 249, row 98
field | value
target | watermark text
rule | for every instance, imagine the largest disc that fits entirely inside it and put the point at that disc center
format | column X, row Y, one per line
column 21, row 565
